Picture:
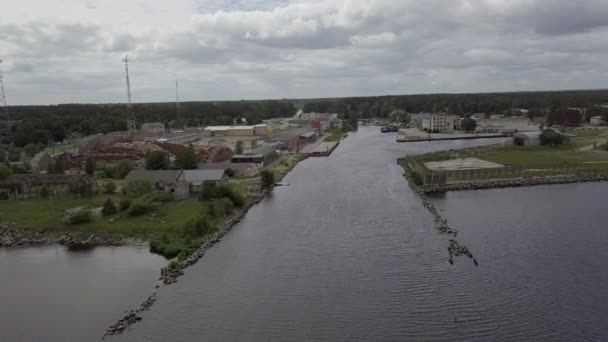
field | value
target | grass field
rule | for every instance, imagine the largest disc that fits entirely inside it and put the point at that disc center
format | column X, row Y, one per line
column 574, row 157
column 46, row 214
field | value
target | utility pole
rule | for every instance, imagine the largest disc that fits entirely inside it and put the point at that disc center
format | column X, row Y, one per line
column 131, row 124
column 9, row 136
column 177, row 96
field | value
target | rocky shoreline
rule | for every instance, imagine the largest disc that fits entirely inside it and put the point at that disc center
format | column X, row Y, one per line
column 511, row 183
column 15, row 237
column 170, row 274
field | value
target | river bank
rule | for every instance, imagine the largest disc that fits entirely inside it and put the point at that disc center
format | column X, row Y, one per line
column 171, row 273
column 15, row 237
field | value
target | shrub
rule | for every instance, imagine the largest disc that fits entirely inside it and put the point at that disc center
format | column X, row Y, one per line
column 197, row 227
column 108, row 208
column 551, row 137
column 139, row 208
column 267, row 178
column 45, row 192
column 124, row 204
column 230, row 173
column 211, row 191
column 157, row 197
column 78, row 217
column 109, row 188
column 138, row 187
column 3, row 195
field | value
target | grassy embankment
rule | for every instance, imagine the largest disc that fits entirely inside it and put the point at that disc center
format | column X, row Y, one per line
column 335, row 134
column 173, row 227
column 575, row 156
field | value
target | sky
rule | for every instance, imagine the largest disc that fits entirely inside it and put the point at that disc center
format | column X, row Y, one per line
column 71, row 51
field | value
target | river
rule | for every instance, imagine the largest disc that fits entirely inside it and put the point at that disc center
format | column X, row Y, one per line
column 50, row 294
column 346, row 252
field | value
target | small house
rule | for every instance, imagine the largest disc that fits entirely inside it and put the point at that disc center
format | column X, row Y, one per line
column 162, row 180
column 197, row 179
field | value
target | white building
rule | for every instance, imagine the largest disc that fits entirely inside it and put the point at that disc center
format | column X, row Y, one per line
column 597, row 121
column 241, row 131
column 153, row 128
column 440, row 123
column 501, row 125
column 319, row 116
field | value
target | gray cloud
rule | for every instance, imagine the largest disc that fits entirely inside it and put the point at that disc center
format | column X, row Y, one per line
column 275, row 49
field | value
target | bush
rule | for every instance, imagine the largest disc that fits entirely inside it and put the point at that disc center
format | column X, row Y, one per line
column 220, row 207
column 168, row 249
column 551, row 137
column 108, row 208
column 3, row 195
column 138, row 187
column 211, row 191
column 267, row 178
column 45, row 192
column 157, row 197
column 109, row 188
column 124, row 204
column 197, row 227
column 139, row 208
column 230, row 173
column 78, row 217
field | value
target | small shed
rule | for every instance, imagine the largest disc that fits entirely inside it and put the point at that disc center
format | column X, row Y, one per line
column 526, row 139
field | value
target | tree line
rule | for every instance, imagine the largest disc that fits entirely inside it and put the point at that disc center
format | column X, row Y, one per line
column 538, row 103
column 44, row 124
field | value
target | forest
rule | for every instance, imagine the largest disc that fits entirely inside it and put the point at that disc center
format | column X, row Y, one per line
column 43, row 124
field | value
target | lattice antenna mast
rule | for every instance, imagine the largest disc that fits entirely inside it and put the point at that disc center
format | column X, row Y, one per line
column 177, row 96
column 9, row 136
column 131, row 124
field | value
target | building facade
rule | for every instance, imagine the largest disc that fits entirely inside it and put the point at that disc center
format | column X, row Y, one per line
column 440, row 123
column 506, row 124
column 597, row 121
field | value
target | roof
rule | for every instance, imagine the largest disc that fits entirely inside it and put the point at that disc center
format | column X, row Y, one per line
column 197, row 177
column 228, row 165
column 264, row 150
column 528, row 135
column 226, row 128
column 42, row 179
column 290, row 133
column 308, row 134
column 154, row 175
column 248, row 156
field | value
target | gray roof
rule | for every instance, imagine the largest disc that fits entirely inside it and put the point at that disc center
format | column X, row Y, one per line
column 289, row 133
column 154, row 175
column 308, row 134
column 197, row 177
column 228, row 165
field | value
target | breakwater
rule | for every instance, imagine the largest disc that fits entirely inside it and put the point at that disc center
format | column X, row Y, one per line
column 12, row 236
column 509, row 183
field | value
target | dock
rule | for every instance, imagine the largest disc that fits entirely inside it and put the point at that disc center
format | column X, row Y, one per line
column 324, row 149
column 414, row 136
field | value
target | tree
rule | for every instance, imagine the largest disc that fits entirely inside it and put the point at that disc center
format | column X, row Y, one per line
column 109, row 188
column 187, row 160
column 90, row 166
column 267, row 178
column 2, row 155
column 138, row 187
column 56, row 167
column 157, row 160
column 108, row 208
column 551, row 137
column 5, row 172
column 121, row 170
column 238, row 149
column 468, row 124
column 31, row 150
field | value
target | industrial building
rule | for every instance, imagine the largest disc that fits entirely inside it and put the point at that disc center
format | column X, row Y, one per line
column 224, row 131
column 179, row 137
column 440, row 123
column 506, row 124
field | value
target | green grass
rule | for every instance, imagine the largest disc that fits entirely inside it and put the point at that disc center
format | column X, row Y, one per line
column 46, row 214
column 66, row 147
column 335, row 135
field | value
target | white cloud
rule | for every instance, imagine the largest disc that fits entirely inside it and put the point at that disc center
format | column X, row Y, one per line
column 71, row 51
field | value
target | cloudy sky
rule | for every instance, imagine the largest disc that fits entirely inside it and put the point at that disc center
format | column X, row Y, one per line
column 71, row 50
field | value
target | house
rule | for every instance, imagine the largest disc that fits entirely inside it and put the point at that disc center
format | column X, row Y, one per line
column 197, row 179
column 238, row 169
column 35, row 185
column 526, row 139
column 154, row 128
column 268, row 152
column 308, row 137
column 439, row 123
column 162, row 180
column 40, row 162
column 597, row 121
column 417, row 118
